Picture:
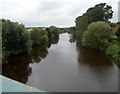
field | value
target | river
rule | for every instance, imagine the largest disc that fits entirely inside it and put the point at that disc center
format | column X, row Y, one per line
column 64, row 67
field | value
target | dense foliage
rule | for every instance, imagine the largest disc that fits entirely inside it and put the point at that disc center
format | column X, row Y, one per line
column 17, row 40
column 92, row 29
column 100, row 12
column 81, row 23
column 14, row 39
column 81, row 26
column 54, row 31
column 116, row 28
column 38, row 37
column 97, row 35
column 114, row 50
column 53, row 34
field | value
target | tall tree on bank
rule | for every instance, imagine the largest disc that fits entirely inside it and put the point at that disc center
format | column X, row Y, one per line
column 100, row 12
column 81, row 25
column 14, row 39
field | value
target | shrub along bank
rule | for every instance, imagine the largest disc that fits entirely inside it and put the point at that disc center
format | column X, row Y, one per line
column 16, row 39
column 93, row 29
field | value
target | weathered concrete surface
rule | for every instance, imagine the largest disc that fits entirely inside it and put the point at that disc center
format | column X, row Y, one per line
column 9, row 85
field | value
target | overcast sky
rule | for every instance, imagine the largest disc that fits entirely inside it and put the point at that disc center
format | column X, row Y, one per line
column 61, row 13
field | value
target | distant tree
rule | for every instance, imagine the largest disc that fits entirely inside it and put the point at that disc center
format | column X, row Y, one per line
column 38, row 37
column 50, row 34
column 54, row 30
column 72, row 30
column 53, row 35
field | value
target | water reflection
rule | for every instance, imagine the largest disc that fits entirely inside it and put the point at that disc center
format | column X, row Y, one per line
column 66, row 68
column 100, row 69
column 72, row 39
column 18, row 68
column 92, row 57
column 55, row 40
column 38, row 53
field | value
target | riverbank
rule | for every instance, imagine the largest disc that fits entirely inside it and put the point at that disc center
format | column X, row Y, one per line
column 66, row 68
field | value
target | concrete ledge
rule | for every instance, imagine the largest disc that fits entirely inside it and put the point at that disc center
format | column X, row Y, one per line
column 9, row 85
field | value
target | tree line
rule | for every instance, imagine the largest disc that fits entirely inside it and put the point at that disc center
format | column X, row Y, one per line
column 16, row 39
column 94, row 29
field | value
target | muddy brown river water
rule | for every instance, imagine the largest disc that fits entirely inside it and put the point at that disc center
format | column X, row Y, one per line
column 64, row 67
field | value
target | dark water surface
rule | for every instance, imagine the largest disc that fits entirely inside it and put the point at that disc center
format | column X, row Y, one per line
column 64, row 67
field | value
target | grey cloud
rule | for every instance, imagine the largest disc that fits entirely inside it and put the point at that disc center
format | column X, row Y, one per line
column 47, row 6
column 61, row 13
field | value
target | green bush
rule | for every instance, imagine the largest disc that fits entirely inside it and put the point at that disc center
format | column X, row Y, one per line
column 14, row 39
column 39, row 37
column 54, row 31
column 97, row 35
column 25, row 43
column 114, row 50
column 44, row 39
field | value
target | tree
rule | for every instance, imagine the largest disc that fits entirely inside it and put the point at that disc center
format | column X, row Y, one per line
column 50, row 35
column 81, row 23
column 38, row 37
column 53, row 35
column 101, row 12
column 116, row 29
column 14, row 39
column 54, row 30
column 97, row 35
column 81, row 26
column 114, row 50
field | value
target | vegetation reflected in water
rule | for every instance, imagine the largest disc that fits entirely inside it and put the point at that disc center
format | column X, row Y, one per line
column 18, row 68
column 38, row 54
column 77, row 68
column 93, row 57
